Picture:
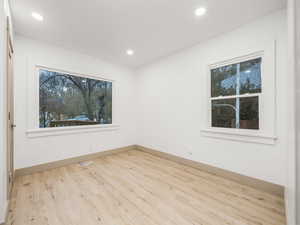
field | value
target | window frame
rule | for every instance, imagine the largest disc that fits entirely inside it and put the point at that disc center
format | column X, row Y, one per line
column 266, row 134
column 237, row 60
column 35, row 131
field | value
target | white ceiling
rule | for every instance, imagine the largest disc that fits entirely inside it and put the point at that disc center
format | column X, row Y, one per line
column 153, row 28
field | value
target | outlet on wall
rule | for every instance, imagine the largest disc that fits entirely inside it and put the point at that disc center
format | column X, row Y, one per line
column 188, row 150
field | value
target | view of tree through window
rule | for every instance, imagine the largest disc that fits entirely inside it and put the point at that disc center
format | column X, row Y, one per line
column 68, row 100
column 235, row 91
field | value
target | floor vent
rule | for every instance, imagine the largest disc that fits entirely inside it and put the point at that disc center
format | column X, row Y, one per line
column 86, row 163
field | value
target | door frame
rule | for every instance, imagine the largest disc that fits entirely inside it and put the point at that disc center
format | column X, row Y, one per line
column 9, row 110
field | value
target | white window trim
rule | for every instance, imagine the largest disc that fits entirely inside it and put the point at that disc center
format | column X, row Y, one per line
column 260, row 136
column 57, row 131
column 33, row 131
column 241, row 135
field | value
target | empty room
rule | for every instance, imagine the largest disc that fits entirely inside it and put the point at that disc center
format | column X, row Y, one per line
column 160, row 112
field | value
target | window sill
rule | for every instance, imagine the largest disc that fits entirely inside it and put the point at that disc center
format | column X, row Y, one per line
column 58, row 131
column 239, row 135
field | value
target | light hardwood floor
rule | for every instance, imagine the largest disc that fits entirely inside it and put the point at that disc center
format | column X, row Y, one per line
column 137, row 188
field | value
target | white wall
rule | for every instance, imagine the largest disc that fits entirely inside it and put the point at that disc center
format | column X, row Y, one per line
column 297, row 25
column 172, row 97
column 33, row 151
column 290, row 189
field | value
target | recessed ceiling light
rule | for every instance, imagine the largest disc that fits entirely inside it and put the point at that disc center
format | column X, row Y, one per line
column 200, row 11
column 37, row 16
column 130, row 52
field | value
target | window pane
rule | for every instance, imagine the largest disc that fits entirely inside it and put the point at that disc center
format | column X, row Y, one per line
column 249, row 116
column 223, row 113
column 223, row 81
column 250, row 76
column 67, row 100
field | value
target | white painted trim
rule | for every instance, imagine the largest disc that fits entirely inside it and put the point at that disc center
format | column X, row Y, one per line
column 291, row 128
column 239, row 135
column 72, row 73
column 236, row 60
column 258, row 54
column 266, row 51
column 248, row 95
column 39, row 66
column 56, row 131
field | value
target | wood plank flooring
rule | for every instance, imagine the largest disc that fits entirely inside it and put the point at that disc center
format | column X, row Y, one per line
column 137, row 188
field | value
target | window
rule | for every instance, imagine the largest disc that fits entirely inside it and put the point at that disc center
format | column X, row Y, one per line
column 235, row 95
column 69, row 100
